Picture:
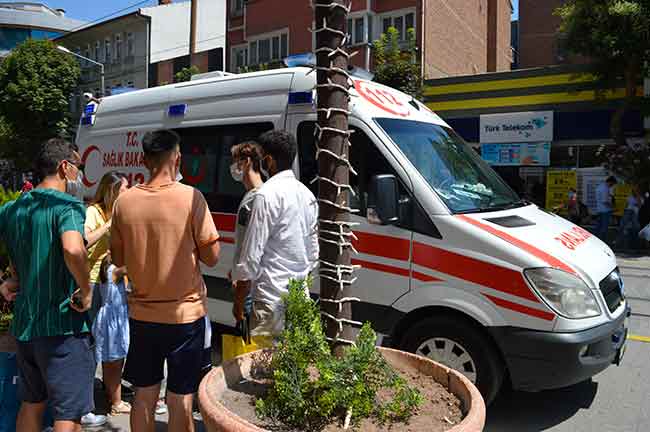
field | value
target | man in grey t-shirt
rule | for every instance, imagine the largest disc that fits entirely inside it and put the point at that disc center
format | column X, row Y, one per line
column 245, row 168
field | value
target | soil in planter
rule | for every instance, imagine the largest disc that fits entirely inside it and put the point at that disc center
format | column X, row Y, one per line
column 440, row 411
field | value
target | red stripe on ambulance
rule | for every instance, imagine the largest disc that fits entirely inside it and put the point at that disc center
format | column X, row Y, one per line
column 516, row 307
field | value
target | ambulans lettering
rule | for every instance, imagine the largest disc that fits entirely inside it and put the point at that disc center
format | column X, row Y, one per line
column 573, row 238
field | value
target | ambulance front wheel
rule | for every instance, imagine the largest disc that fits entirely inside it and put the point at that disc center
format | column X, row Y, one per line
column 460, row 345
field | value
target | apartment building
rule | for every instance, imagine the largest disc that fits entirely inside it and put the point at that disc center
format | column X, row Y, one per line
column 457, row 37
column 540, row 44
column 147, row 47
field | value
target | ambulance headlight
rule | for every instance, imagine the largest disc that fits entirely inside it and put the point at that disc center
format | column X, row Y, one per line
column 567, row 294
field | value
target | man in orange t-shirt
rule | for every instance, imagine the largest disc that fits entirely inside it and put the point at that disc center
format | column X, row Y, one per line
column 161, row 231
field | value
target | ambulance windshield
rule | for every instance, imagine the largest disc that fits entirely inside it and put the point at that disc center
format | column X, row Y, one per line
column 453, row 169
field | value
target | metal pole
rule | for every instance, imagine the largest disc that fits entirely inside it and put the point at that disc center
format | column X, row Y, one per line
column 101, row 65
column 101, row 77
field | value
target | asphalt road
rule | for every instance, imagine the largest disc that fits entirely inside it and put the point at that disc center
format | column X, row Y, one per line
column 615, row 400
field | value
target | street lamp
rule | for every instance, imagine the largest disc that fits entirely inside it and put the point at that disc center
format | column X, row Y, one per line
column 101, row 65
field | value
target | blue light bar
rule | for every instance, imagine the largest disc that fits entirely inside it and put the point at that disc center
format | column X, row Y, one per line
column 306, row 59
column 296, row 98
column 88, row 120
column 177, row 110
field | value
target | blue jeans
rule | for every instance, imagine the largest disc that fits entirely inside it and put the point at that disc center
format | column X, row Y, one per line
column 602, row 225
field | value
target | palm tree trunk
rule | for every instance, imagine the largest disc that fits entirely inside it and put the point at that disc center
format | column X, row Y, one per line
column 333, row 170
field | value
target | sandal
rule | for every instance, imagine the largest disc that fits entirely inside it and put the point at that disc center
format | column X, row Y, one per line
column 121, row 408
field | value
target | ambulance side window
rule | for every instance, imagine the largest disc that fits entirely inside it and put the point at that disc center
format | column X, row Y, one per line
column 368, row 161
column 206, row 160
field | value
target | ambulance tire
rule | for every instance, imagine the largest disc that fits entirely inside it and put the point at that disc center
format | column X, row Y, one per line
column 489, row 366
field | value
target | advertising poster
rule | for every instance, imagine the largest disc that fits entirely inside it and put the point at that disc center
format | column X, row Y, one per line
column 558, row 184
column 517, row 154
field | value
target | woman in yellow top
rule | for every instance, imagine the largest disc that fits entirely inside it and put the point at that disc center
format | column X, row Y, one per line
column 97, row 230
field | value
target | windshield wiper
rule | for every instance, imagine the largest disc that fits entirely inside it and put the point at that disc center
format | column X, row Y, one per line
column 511, row 205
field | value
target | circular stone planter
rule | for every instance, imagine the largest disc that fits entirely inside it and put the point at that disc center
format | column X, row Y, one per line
column 218, row 418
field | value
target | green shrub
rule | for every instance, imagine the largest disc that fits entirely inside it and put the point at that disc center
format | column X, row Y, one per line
column 311, row 387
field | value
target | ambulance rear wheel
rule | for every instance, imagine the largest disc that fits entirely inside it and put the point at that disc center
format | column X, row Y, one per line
column 458, row 344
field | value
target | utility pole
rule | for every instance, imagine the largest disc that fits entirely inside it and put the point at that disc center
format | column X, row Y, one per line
column 335, row 228
column 193, row 13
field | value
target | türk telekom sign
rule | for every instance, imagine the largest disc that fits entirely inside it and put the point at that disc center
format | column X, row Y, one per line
column 517, row 127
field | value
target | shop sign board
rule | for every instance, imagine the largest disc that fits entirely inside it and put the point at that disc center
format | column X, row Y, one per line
column 558, row 184
column 535, row 126
column 517, row 154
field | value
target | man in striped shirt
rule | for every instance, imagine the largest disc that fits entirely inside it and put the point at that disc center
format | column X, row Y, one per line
column 43, row 231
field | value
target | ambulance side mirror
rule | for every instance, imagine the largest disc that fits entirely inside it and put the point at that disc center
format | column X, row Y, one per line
column 383, row 207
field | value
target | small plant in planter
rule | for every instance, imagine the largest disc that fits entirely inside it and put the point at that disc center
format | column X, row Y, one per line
column 311, row 387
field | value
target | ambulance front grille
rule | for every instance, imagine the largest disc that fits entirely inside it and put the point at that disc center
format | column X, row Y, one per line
column 612, row 289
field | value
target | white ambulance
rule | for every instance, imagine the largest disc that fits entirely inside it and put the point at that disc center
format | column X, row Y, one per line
column 455, row 266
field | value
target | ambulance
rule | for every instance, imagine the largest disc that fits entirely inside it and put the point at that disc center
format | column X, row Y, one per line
column 454, row 265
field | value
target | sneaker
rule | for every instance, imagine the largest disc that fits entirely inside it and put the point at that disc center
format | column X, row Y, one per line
column 161, row 408
column 93, row 420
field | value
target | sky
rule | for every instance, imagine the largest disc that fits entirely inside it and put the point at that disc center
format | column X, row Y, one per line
column 90, row 10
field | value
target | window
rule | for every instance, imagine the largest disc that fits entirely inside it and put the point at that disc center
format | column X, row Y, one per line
column 402, row 21
column 368, row 161
column 118, row 48
column 130, row 45
column 108, row 54
column 357, row 30
column 238, row 58
column 252, row 53
column 284, row 45
column 268, row 49
column 88, row 54
column 236, row 8
column 276, row 47
column 206, row 161
column 452, row 168
column 98, row 51
column 215, row 60
column 265, row 50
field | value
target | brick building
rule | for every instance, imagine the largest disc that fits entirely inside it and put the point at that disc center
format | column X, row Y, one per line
column 539, row 41
column 454, row 38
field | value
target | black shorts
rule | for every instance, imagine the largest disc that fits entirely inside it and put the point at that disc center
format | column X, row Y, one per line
column 186, row 347
column 60, row 370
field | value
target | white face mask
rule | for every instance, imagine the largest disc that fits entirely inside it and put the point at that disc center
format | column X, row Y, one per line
column 236, row 173
column 179, row 176
column 75, row 187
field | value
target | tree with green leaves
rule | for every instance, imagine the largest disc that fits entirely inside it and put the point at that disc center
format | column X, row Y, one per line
column 36, row 81
column 185, row 74
column 615, row 36
column 397, row 67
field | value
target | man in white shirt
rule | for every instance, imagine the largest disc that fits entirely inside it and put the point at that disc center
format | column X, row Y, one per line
column 604, row 207
column 281, row 242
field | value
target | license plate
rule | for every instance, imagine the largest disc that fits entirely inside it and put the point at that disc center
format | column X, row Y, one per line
column 620, row 352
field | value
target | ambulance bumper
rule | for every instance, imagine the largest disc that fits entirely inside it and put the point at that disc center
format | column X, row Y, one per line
column 542, row 360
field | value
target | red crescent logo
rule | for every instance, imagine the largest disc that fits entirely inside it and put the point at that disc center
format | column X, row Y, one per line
column 382, row 98
column 84, row 157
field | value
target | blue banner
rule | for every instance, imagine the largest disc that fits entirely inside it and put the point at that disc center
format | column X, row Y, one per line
column 517, row 154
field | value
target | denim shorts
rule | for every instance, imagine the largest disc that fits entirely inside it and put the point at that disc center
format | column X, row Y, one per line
column 185, row 347
column 60, row 370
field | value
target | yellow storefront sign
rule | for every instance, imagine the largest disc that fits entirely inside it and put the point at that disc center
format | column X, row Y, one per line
column 558, row 184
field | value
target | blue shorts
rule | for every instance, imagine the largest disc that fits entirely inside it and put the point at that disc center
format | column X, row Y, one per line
column 60, row 370
column 185, row 347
